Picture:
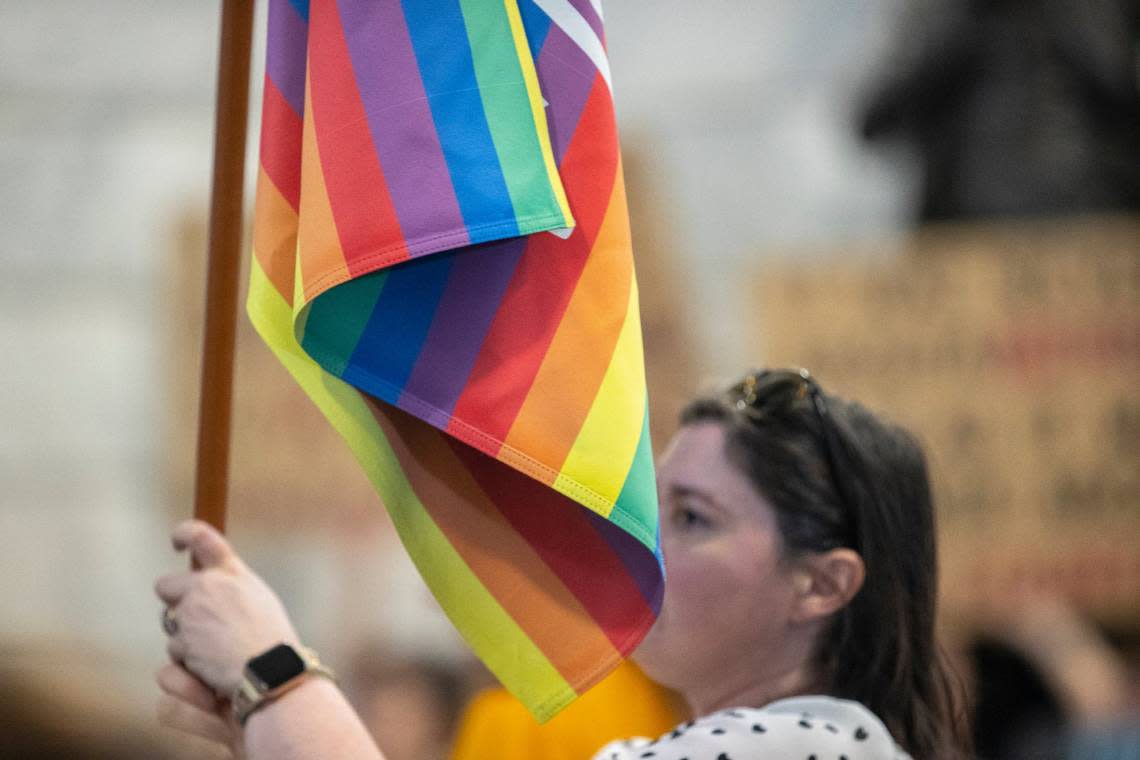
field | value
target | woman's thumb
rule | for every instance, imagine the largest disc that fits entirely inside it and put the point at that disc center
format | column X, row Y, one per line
column 207, row 547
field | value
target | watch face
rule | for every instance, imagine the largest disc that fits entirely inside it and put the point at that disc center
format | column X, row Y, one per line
column 277, row 666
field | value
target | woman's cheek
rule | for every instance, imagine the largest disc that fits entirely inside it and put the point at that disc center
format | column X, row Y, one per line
column 694, row 587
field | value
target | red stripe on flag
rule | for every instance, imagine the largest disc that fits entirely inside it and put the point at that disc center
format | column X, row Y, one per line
column 281, row 143
column 366, row 221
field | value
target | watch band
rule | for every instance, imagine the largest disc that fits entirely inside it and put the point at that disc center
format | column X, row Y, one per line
column 253, row 693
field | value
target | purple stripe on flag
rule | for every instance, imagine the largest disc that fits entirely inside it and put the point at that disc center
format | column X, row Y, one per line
column 566, row 76
column 475, row 287
column 586, row 8
column 285, row 54
column 400, row 120
column 642, row 565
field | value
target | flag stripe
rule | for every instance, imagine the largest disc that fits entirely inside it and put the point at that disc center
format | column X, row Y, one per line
column 599, row 451
column 538, row 118
column 462, row 318
column 591, row 15
column 503, row 561
column 536, row 25
column 563, row 534
column 519, row 337
column 366, row 221
column 566, row 384
column 567, row 18
column 338, row 318
column 499, row 77
column 636, row 505
column 643, row 567
column 285, row 61
column 560, row 66
column 515, row 345
column 274, row 240
column 281, row 144
column 401, row 125
column 440, row 41
column 320, row 263
column 397, row 327
column 302, row 8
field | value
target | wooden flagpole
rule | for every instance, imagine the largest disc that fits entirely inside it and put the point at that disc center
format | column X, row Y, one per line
column 224, row 263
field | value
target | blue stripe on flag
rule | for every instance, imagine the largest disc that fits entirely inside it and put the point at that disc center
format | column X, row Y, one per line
column 391, row 341
column 537, row 25
column 439, row 37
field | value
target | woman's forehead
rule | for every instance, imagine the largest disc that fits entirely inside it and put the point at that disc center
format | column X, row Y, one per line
column 695, row 460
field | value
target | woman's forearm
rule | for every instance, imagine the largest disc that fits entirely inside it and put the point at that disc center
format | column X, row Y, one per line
column 313, row 721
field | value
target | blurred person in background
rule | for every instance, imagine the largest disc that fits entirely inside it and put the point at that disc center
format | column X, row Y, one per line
column 1015, row 107
column 410, row 706
column 799, row 615
column 1049, row 686
column 1017, row 713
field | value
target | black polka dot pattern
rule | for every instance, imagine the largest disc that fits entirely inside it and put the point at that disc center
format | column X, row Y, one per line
column 811, row 728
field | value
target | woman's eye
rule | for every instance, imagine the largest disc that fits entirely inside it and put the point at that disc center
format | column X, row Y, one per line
column 685, row 517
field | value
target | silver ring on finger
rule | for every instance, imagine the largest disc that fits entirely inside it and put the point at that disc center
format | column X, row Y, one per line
column 169, row 621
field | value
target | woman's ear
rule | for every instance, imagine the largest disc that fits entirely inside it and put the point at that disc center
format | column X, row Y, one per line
column 826, row 583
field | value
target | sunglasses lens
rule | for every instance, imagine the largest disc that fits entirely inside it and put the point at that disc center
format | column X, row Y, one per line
column 765, row 389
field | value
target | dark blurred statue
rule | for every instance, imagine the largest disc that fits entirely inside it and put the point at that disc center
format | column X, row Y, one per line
column 1016, row 107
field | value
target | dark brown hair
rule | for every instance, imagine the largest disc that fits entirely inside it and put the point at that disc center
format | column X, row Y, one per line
column 879, row 650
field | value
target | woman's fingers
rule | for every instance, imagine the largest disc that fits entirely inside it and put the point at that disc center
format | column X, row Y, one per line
column 189, row 706
column 176, row 649
column 171, row 588
column 207, row 547
column 185, row 717
column 181, row 684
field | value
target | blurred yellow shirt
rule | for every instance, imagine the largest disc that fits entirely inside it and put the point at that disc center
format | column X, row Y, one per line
column 625, row 704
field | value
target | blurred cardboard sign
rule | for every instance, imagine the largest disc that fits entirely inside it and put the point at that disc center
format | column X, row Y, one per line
column 1014, row 352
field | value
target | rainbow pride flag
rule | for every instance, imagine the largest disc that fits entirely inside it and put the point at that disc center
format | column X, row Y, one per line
column 442, row 260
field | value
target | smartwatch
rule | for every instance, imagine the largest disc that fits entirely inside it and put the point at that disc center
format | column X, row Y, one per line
column 271, row 674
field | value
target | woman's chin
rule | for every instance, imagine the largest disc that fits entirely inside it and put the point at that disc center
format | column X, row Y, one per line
column 651, row 656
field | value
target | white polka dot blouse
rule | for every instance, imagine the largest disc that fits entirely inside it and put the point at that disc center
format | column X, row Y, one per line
column 798, row 728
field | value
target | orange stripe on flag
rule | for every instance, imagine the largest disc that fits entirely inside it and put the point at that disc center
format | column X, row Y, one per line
column 275, row 232
column 319, row 249
column 567, row 382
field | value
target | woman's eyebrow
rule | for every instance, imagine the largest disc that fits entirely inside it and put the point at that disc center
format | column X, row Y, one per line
column 682, row 490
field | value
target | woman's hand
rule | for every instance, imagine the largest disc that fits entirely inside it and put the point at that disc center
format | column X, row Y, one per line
column 223, row 612
column 188, row 705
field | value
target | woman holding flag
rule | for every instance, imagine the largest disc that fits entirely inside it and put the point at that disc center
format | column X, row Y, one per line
column 442, row 259
column 798, row 621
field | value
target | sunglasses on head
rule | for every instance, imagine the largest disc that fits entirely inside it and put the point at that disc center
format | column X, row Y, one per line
column 765, row 390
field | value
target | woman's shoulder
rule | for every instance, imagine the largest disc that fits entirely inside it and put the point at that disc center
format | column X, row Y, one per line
column 798, row 727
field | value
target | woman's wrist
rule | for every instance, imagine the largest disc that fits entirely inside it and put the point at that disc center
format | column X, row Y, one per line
column 313, row 720
column 309, row 687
